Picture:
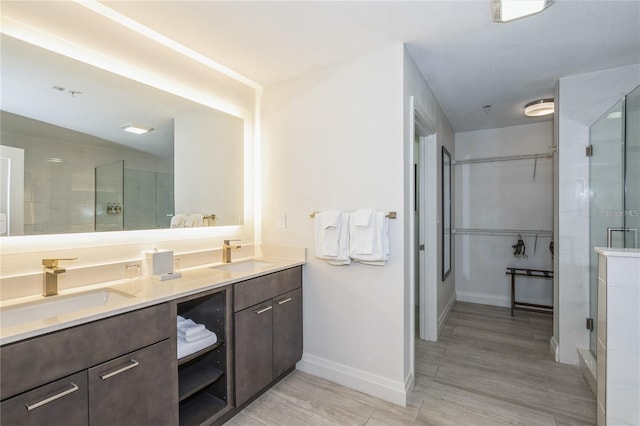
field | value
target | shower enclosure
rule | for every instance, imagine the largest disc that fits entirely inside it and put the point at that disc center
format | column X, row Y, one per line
column 128, row 199
column 614, row 182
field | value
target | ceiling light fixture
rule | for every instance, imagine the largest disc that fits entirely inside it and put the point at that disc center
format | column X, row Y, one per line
column 508, row 10
column 539, row 108
column 137, row 129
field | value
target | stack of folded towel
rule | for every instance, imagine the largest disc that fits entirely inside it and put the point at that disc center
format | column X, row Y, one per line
column 332, row 237
column 193, row 337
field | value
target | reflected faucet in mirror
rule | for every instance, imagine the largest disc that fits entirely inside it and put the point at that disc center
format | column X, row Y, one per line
column 51, row 272
column 226, row 250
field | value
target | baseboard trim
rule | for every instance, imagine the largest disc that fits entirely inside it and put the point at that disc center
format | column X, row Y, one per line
column 444, row 316
column 553, row 347
column 484, row 299
column 393, row 391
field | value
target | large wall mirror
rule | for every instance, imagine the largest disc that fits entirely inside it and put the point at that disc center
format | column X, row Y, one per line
column 446, row 213
column 68, row 165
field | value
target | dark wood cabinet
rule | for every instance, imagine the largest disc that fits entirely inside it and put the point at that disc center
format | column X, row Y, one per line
column 132, row 389
column 118, row 370
column 268, row 334
column 254, row 350
column 287, row 331
column 63, row 402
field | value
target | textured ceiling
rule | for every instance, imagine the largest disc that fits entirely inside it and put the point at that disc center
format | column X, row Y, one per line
column 467, row 60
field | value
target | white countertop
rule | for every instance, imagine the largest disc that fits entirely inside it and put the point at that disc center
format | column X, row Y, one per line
column 145, row 291
column 618, row 252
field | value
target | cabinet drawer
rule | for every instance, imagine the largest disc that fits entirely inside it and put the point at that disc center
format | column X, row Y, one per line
column 63, row 402
column 256, row 290
column 136, row 389
column 27, row 364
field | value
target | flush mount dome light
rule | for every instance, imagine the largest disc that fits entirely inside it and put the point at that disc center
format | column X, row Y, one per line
column 508, row 10
column 539, row 108
column 137, row 129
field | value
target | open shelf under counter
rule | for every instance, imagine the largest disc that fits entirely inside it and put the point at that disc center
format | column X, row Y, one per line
column 197, row 376
column 190, row 357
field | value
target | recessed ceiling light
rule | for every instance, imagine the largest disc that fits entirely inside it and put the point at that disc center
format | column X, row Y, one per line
column 539, row 108
column 508, row 10
column 137, row 129
column 54, row 160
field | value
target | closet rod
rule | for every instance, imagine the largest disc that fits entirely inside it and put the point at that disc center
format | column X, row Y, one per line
column 504, row 232
column 504, row 158
column 390, row 215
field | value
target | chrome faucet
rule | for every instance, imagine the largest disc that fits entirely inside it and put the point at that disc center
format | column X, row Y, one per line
column 51, row 272
column 226, row 250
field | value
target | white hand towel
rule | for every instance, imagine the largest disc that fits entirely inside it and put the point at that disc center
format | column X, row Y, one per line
column 362, row 232
column 177, row 221
column 380, row 243
column 343, row 243
column 332, row 244
column 194, row 220
column 327, row 229
column 362, row 218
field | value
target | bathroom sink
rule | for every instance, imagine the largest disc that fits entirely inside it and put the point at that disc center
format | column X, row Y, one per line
column 53, row 306
column 244, row 266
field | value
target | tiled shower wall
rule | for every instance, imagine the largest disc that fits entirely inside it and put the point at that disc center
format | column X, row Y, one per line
column 59, row 196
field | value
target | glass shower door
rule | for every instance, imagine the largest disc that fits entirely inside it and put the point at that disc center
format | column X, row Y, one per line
column 632, row 170
column 606, row 185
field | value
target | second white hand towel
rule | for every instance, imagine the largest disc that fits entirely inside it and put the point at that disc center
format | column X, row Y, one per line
column 380, row 244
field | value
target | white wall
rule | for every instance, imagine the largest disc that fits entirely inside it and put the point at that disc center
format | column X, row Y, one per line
column 426, row 103
column 333, row 139
column 209, row 165
column 337, row 139
column 503, row 195
column 582, row 100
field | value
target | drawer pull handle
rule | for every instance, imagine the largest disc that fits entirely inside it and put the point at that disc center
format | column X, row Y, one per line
column 72, row 389
column 263, row 310
column 133, row 364
column 282, row 302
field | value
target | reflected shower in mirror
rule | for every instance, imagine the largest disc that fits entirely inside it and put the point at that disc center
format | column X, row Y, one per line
column 74, row 169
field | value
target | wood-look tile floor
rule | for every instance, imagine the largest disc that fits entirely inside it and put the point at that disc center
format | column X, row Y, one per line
column 488, row 368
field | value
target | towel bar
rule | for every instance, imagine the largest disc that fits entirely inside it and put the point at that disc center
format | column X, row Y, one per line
column 390, row 215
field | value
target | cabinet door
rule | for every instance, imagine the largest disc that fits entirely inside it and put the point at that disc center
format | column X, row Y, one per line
column 135, row 389
column 63, row 402
column 254, row 358
column 287, row 331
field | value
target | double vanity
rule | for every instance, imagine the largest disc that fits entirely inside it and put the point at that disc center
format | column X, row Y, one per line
column 107, row 354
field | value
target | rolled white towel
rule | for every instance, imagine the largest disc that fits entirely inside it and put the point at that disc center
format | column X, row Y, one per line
column 177, row 221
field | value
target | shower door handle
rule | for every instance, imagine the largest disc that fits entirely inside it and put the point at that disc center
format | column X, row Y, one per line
column 610, row 232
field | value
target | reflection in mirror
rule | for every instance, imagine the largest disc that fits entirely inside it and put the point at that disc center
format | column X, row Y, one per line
column 446, row 213
column 81, row 172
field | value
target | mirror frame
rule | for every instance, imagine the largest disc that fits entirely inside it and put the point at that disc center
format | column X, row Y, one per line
column 446, row 218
